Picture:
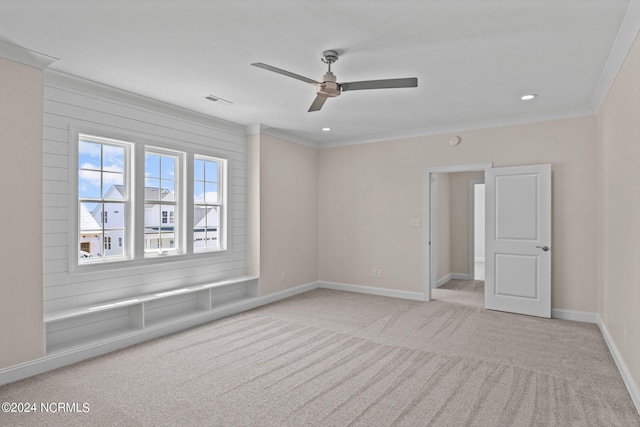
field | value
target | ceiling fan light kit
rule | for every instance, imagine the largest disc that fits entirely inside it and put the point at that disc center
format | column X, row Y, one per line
column 329, row 86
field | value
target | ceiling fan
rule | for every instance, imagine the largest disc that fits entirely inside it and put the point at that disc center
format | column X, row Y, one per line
column 329, row 88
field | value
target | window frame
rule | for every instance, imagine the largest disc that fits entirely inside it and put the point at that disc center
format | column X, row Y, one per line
column 221, row 204
column 77, row 201
column 180, row 196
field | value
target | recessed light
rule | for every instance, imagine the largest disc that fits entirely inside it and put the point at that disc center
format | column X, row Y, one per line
column 326, row 129
column 528, row 96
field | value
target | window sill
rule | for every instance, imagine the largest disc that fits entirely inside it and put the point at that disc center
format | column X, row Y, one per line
column 149, row 260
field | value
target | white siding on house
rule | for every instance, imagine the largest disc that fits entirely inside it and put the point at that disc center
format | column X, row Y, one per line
column 71, row 102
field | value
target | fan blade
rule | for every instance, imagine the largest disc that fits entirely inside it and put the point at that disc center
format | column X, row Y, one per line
column 317, row 103
column 380, row 84
column 285, row 73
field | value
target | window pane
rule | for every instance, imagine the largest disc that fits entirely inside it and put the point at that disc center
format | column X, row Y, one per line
column 152, row 216
column 213, row 216
column 112, row 158
column 89, row 184
column 198, row 170
column 152, row 166
column 151, row 240
column 206, row 227
column 211, row 193
column 168, row 168
column 89, row 156
column 199, row 218
column 113, row 185
column 159, row 227
column 114, row 215
column 211, row 171
column 97, row 214
column 111, row 243
column 198, row 192
column 212, row 238
column 168, row 190
column 152, row 189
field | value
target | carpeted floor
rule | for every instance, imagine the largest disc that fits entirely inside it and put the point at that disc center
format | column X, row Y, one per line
column 330, row 358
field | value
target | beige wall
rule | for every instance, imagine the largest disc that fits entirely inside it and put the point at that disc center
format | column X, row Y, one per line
column 288, row 214
column 460, row 213
column 21, row 327
column 619, row 212
column 453, row 222
column 444, row 225
column 368, row 193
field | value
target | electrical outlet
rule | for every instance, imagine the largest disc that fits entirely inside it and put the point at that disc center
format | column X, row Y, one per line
column 379, row 273
column 373, row 272
column 414, row 222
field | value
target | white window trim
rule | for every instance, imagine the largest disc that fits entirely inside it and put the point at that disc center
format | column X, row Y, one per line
column 138, row 260
column 223, row 228
column 128, row 240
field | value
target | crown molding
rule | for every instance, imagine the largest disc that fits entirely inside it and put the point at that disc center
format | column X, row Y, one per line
column 92, row 88
column 25, row 56
column 627, row 34
column 464, row 126
column 279, row 133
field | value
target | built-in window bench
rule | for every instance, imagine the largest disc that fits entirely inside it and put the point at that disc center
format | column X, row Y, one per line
column 119, row 323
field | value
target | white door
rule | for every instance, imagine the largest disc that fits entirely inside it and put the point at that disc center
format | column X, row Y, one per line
column 518, row 240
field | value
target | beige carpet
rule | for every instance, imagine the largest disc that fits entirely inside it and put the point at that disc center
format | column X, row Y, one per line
column 330, row 358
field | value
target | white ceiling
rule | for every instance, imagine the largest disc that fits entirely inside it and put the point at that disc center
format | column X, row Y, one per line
column 473, row 58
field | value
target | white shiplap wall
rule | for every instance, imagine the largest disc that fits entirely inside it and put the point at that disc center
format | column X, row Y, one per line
column 71, row 102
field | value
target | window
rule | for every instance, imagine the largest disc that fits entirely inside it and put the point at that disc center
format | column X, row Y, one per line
column 160, row 198
column 102, row 189
column 133, row 202
column 208, row 206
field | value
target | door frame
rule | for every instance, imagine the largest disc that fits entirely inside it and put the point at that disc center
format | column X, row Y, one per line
column 430, row 242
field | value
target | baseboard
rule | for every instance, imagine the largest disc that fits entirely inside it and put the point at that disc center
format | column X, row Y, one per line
column 48, row 363
column 276, row 296
column 452, row 276
column 578, row 316
column 444, row 279
column 632, row 387
column 385, row 292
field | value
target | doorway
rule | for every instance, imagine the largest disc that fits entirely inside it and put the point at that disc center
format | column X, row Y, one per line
column 517, row 237
column 431, row 227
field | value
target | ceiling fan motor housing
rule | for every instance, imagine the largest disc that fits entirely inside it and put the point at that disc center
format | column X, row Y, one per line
column 329, row 87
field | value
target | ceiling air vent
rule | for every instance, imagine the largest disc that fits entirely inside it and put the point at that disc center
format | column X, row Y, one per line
column 214, row 98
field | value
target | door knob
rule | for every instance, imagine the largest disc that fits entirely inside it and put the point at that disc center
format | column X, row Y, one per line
column 544, row 248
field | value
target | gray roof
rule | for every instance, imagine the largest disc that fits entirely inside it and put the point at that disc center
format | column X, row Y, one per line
column 87, row 221
column 151, row 193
